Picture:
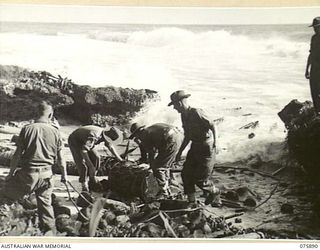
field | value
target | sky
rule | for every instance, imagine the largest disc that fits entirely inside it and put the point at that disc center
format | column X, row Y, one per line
column 155, row 15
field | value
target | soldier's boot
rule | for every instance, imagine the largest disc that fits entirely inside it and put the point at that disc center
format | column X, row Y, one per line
column 213, row 197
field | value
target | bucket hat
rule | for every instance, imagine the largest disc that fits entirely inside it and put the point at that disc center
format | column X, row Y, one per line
column 114, row 134
column 315, row 22
column 178, row 96
column 135, row 128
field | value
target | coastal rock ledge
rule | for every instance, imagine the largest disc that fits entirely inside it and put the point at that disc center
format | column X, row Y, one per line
column 21, row 90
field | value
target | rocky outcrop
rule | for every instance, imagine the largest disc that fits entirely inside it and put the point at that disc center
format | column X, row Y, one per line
column 303, row 136
column 21, row 91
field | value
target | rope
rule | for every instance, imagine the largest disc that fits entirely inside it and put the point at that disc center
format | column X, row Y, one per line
column 79, row 193
column 75, row 205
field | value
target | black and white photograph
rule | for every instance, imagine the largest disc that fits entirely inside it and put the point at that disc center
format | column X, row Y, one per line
column 160, row 122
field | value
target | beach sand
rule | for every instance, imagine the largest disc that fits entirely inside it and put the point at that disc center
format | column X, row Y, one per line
column 267, row 218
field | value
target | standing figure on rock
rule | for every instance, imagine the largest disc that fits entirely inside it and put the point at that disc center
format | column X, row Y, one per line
column 39, row 147
column 200, row 130
column 82, row 144
column 313, row 65
column 159, row 144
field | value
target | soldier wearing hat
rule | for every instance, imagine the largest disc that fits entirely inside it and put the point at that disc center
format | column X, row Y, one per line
column 159, row 144
column 200, row 130
column 82, row 144
column 313, row 65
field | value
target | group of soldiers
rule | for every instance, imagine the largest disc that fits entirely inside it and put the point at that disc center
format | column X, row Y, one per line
column 39, row 147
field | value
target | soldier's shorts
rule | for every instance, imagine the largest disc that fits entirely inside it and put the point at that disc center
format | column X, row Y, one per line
column 165, row 158
column 198, row 167
column 37, row 180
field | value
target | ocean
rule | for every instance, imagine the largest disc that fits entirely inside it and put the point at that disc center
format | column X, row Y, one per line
column 239, row 74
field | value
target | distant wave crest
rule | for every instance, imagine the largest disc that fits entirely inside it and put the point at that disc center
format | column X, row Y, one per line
column 213, row 40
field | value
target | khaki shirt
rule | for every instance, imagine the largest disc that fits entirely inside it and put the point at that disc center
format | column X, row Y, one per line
column 86, row 137
column 159, row 135
column 40, row 143
column 315, row 51
column 197, row 126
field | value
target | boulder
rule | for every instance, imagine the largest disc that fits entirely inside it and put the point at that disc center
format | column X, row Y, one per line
column 22, row 90
column 303, row 136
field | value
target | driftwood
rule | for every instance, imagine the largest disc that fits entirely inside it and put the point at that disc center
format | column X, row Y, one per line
column 270, row 195
column 246, row 169
column 250, row 125
column 247, row 236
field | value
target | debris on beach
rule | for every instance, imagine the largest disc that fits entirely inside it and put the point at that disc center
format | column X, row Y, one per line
column 250, row 125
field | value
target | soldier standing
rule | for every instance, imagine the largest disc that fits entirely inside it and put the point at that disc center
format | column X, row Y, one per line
column 313, row 65
column 38, row 148
column 200, row 131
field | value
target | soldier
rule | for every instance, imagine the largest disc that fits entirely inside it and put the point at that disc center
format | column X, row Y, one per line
column 314, row 63
column 159, row 144
column 38, row 148
column 200, row 130
column 82, row 144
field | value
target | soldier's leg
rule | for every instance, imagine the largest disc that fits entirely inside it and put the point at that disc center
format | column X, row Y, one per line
column 187, row 175
column 18, row 186
column 205, row 166
column 45, row 210
column 81, row 167
column 95, row 159
column 315, row 90
column 161, row 166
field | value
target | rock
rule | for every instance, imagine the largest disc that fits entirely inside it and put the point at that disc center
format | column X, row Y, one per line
column 153, row 230
column 117, row 207
column 63, row 223
column 22, row 90
column 182, row 231
column 237, row 220
column 303, row 137
column 250, row 202
column 58, row 210
column 286, row 208
column 255, row 161
column 251, row 135
column 206, row 228
column 122, row 219
column 292, row 111
column 173, row 204
column 247, row 236
column 109, row 217
column 243, row 193
column 232, row 195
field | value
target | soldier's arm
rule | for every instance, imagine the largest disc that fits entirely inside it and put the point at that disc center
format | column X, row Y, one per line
column 15, row 161
column 113, row 150
column 61, row 162
column 309, row 61
column 307, row 73
column 184, row 144
column 17, row 155
column 210, row 124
